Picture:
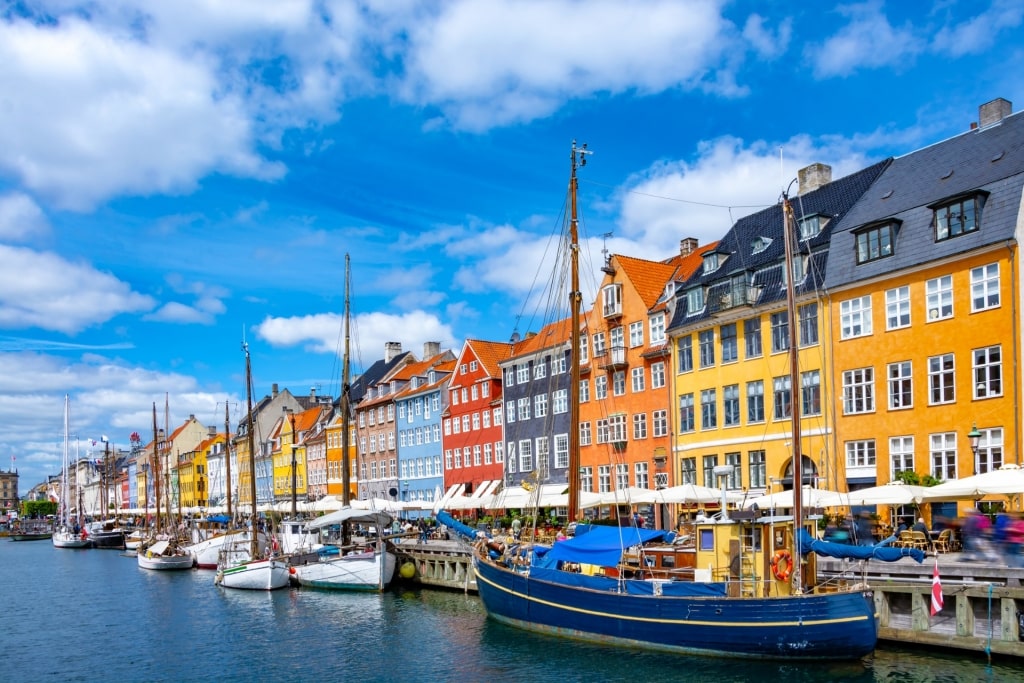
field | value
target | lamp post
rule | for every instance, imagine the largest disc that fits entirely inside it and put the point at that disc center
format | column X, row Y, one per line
column 973, row 438
column 291, row 417
column 405, row 498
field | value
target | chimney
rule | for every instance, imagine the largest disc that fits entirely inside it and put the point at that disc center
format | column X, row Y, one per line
column 814, row 176
column 431, row 349
column 688, row 245
column 273, row 389
column 392, row 350
column 191, row 418
column 211, row 431
column 994, row 111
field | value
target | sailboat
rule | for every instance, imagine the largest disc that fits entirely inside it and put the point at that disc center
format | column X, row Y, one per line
column 66, row 535
column 161, row 550
column 746, row 587
column 241, row 565
column 369, row 566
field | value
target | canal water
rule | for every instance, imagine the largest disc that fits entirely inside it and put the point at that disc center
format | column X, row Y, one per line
column 93, row 615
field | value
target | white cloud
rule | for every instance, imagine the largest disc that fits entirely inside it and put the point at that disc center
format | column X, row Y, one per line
column 496, row 62
column 46, row 291
column 323, row 332
column 20, row 217
column 140, row 119
column 979, row 33
column 856, row 45
column 766, row 43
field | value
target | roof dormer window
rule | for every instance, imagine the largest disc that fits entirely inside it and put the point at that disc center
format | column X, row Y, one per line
column 957, row 217
column 760, row 244
column 711, row 262
column 694, row 300
column 812, row 225
column 876, row 241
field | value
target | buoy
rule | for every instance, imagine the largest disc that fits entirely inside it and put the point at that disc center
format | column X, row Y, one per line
column 291, row 570
column 408, row 570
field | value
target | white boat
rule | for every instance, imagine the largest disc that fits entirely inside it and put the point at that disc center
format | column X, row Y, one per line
column 207, row 553
column 242, row 563
column 366, row 567
column 66, row 535
column 163, row 555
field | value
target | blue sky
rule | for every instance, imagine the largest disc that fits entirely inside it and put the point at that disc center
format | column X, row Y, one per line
column 177, row 176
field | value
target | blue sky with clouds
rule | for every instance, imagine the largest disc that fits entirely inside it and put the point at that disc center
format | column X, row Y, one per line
column 176, row 176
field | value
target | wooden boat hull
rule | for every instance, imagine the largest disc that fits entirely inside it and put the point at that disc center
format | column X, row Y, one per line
column 108, row 540
column 264, row 575
column 148, row 560
column 826, row 626
column 371, row 571
column 40, row 536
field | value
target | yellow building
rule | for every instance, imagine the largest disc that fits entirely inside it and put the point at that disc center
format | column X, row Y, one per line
column 733, row 394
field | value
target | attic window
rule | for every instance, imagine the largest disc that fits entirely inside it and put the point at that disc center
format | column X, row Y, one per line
column 812, row 225
column 957, row 217
column 694, row 301
column 876, row 241
column 760, row 244
column 711, row 262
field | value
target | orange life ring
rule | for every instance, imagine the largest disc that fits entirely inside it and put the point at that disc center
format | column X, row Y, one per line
column 782, row 564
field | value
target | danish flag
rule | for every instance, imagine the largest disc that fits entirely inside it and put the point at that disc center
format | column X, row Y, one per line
column 936, row 590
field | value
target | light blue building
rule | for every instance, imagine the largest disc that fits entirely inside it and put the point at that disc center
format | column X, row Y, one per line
column 419, row 407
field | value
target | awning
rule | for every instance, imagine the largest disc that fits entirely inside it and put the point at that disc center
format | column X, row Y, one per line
column 453, row 490
column 487, row 489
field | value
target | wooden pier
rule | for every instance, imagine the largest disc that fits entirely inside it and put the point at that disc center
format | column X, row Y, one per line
column 436, row 563
column 983, row 608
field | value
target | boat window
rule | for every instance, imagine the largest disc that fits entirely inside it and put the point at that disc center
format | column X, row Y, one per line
column 707, row 539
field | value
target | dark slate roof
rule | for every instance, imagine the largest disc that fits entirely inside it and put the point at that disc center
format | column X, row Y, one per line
column 763, row 270
column 989, row 159
column 374, row 374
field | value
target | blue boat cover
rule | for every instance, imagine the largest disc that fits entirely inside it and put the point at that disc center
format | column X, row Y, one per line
column 602, row 546
column 219, row 519
column 456, row 526
column 605, row 583
column 856, row 552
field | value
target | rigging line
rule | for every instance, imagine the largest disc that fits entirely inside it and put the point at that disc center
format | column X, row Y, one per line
column 676, row 199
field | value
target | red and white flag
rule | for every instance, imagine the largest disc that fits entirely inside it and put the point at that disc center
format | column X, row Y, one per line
column 936, row 590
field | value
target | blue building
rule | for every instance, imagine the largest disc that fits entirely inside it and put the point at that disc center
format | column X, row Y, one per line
column 419, row 408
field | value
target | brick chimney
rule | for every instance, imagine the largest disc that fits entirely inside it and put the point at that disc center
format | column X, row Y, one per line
column 994, row 111
column 688, row 245
column 273, row 389
column 431, row 349
column 392, row 350
column 814, row 176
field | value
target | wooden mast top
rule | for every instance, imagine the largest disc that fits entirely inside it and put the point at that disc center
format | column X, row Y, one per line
column 254, row 544
column 344, row 402
column 578, row 158
column 795, row 393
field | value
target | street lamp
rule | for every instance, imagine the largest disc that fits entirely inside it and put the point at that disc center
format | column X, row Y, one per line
column 973, row 437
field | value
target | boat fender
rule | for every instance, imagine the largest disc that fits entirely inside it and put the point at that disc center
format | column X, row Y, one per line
column 782, row 564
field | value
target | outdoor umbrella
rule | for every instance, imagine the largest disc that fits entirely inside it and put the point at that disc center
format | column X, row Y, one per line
column 1008, row 480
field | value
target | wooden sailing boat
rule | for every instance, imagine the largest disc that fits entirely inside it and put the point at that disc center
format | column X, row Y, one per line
column 161, row 550
column 365, row 567
column 66, row 534
column 625, row 585
column 241, row 565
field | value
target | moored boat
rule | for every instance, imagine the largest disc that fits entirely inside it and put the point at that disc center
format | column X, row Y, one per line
column 162, row 551
column 67, row 535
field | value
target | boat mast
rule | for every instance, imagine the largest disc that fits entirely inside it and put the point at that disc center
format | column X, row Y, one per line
column 577, row 158
column 156, row 474
column 227, row 456
column 64, row 485
column 253, row 544
column 795, row 390
column 346, row 425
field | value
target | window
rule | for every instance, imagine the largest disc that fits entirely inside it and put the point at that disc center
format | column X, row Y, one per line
column 543, row 459
column 988, row 372
column 708, row 409
column 684, row 354
column 941, row 379
column 730, row 346
column 510, row 411
column 657, row 375
column 599, row 345
column 472, row 366
column 525, row 455
column 686, row 417
column 485, row 391
column 855, row 317
column 584, row 390
column 640, row 474
column 860, row 453
column 465, row 423
column 510, row 375
column 731, row 405
column 587, row 478
column 585, row 434
column 810, row 393
column 637, row 379
column 559, row 401
column 694, row 301
column 858, row 391
column 901, row 455
column 688, row 471
column 710, row 262
column 619, row 383
column 990, row 451
column 485, row 417
column 611, row 300
column 897, row 308
column 522, row 373
column 756, row 466
column 657, row 327
column 984, row 287
column 558, row 364
column 512, row 457
column 499, row 451
column 707, row 348
column 601, row 387
column 659, row 419
column 752, row 337
column 780, row 331
column 497, row 416
column 640, row 426
column 604, row 478
column 781, row 398
column 636, row 334
column 618, row 344
column 617, row 428
column 808, row 315
column 811, row 225
column 943, row 455
column 709, row 462
column 755, row 401
column 584, row 349
column 735, row 479
column 540, row 405
column 956, row 218
column 487, row 454
column 939, row 298
column 524, row 409
column 901, row 385
column 875, row 242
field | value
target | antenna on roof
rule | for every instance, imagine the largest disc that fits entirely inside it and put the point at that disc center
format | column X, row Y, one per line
column 607, row 267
